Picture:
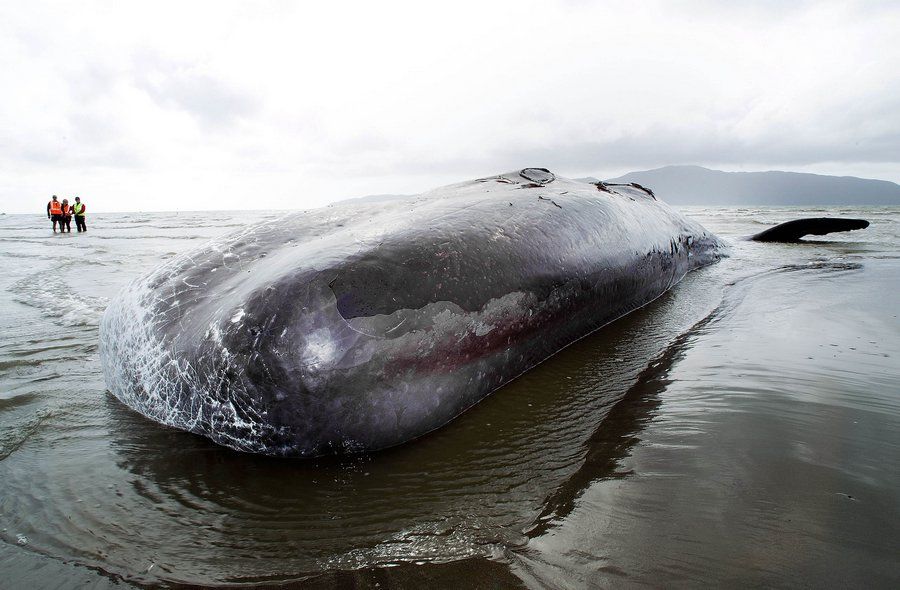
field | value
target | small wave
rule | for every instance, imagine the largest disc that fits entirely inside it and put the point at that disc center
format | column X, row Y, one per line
column 59, row 301
column 195, row 225
column 13, row 436
column 8, row 365
column 19, row 240
column 149, row 237
column 15, row 401
column 23, row 255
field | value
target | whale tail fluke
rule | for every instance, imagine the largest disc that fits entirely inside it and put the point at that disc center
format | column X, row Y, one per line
column 792, row 231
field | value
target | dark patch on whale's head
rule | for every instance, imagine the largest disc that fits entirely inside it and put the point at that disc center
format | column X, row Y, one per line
column 540, row 176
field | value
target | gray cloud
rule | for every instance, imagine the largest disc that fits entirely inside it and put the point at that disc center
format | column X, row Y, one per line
column 232, row 101
column 211, row 102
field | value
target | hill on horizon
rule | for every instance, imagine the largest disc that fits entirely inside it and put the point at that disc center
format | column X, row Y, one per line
column 695, row 185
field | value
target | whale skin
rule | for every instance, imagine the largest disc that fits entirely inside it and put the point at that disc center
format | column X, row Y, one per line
column 362, row 326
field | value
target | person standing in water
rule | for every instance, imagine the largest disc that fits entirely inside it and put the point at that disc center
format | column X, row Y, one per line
column 65, row 219
column 54, row 212
column 79, row 210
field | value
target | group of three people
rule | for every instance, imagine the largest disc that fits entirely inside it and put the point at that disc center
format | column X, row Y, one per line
column 61, row 213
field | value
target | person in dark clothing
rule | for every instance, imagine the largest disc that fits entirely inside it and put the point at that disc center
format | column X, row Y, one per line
column 54, row 212
column 79, row 210
column 65, row 219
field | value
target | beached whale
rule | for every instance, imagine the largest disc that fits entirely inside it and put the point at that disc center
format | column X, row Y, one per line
column 361, row 326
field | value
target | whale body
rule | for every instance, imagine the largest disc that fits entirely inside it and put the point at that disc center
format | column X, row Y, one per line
column 362, row 326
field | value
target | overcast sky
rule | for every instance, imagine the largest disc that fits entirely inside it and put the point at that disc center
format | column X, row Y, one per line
column 201, row 105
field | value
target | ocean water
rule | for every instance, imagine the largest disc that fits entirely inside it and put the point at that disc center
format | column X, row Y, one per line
column 744, row 429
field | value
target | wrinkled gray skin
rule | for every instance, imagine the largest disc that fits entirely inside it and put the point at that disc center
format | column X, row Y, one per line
column 363, row 326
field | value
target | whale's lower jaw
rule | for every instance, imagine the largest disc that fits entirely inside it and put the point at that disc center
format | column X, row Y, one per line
column 359, row 328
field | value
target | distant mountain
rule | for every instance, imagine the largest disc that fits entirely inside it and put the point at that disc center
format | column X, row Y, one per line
column 695, row 185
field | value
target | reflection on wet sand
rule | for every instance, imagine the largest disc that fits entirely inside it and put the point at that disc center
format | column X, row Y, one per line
column 616, row 435
column 464, row 492
column 761, row 456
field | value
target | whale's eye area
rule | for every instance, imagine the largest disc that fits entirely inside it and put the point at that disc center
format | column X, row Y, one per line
column 538, row 175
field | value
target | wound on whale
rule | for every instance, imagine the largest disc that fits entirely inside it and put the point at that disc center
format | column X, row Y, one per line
column 361, row 326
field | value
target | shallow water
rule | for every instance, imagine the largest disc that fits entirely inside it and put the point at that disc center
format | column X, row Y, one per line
column 744, row 428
